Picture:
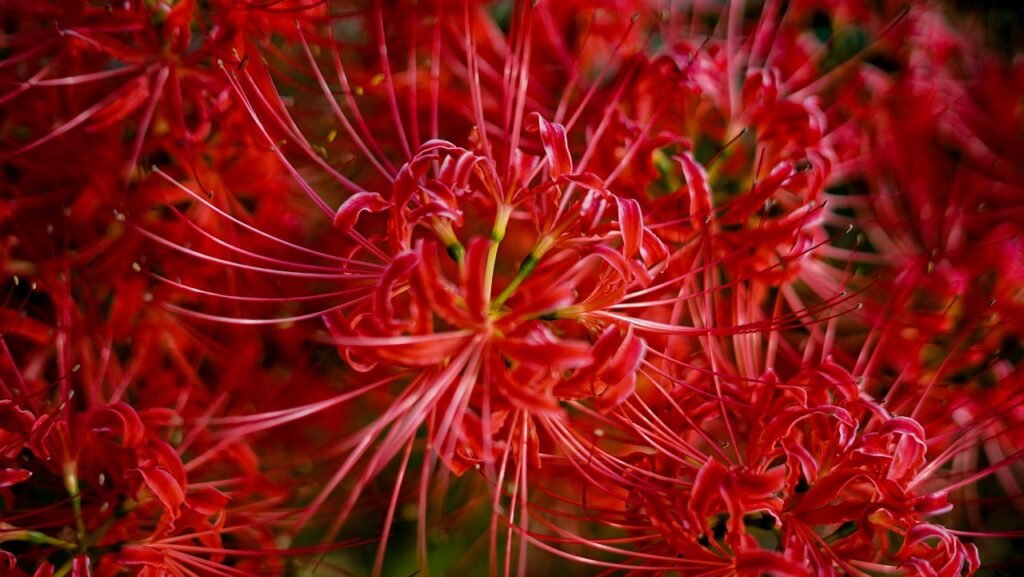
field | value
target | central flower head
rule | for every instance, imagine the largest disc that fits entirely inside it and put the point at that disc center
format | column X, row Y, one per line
column 522, row 302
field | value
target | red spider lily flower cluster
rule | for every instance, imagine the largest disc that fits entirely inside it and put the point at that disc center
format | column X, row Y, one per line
column 670, row 288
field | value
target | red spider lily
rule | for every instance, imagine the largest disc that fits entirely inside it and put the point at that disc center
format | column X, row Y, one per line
column 67, row 66
column 462, row 338
column 398, row 329
column 718, row 289
column 164, row 49
column 823, row 481
column 945, row 269
column 92, row 484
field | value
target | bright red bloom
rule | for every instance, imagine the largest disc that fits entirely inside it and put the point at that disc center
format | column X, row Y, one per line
column 719, row 289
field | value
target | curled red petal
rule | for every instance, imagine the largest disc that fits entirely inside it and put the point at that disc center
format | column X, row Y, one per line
column 706, row 492
column 556, row 147
column 631, row 225
column 440, row 294
column 697, row 184
column 587, row 180
column 166, row 488
column 120, row 418
column 558, row 354
column 44, row 570
column 515, row 387
column 10, row 477
column 40, row 436
column 463, row 168
column 435, row 210
column 339, row 329
column 653, row 250
column 207, row 501
column 355, row 205
column 615, row 393
column 816, row 504
column 619, row 373
column 615, row 259
column 163, row 455
column 625, row 360
column 80, row 567
column 936, row 503
column 397, row 270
